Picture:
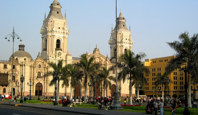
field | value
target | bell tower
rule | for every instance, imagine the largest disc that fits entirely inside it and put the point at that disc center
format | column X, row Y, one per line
column 124, row 39
column 54, row 33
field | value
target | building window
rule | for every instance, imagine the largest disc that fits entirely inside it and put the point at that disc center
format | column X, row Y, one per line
column 13, row 78
column 158, row 69
column 39, row 75
column 13, row 67
column 181, row 87
column 154, row 61
column 175, row 78
column 153, row 69
column 115, row 52
column 181, row 78
column 175, row 82
column 153, row 74
column 175, row 73
column 4, row 90
column 160, row 60
column 5, row 66
column 175, row 87
column 147, row 79
column 39, row 66
column 58, row 43
column 181, row 83
column 57, row 12
column 166, row 60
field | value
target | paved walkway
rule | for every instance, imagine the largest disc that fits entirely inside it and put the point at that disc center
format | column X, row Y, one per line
column 73, row 109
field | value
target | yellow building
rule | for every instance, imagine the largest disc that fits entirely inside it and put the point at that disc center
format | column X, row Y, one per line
column 157, row 67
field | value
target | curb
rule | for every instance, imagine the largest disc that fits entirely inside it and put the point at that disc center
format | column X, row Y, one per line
column 54, row 109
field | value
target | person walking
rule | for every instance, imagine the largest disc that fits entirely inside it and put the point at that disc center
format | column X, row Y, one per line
column 155, row 104
column 161, row 105
column 174, row 104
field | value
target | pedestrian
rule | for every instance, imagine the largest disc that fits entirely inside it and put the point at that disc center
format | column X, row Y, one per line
column 161, row 105
column 174, row 104
column 155, row 104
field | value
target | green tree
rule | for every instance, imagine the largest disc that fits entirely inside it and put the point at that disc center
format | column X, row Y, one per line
column 131, row 68
column 162, row 80
column 73, row 75
column 106, row 79
column 57, row 74
column 186, row 54
column 88, row 68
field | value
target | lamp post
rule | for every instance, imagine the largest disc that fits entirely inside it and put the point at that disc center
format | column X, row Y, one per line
column 116, row 103
column 12, row 37
column 22, row 79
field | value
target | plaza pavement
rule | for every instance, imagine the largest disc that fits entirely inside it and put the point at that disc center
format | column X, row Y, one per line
column 87, row 111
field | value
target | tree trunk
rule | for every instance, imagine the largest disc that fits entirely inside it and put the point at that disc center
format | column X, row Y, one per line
column 101, row 90
column 71, row 92
column 138, row 92
column 85, row 99
column 162, row 92
column 65, row 91
column 106, row 91
column 189, row 91
column 58, row 88
column 130, row 92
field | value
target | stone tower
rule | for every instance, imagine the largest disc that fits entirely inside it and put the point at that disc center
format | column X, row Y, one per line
column 54, row 34
column 124, row 39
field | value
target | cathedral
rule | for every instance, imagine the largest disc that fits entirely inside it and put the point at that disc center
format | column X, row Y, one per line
column 54, row 38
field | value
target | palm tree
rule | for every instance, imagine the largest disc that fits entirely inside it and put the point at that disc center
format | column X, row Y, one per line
column 105, row 77
column 186, row 53
column 162, row 80
column 75, row 76
column 88, row 68
column 139, row 79
column 57, row 74
column 130, row 65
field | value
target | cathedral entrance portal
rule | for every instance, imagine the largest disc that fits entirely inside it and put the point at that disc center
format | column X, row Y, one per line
column 39, row 89
column 77, row 91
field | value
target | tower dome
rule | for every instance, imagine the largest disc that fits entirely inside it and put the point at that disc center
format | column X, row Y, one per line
column 21, row 53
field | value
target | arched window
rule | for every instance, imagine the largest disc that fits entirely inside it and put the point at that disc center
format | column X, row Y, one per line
column 39, row 75
column 115, row 52
column 58, row 43
column 125, row 50
column 45, row 44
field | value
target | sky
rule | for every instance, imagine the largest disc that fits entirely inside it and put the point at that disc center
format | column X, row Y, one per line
column 153, row 24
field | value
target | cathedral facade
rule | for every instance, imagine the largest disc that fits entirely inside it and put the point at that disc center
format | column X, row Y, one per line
column 55, row 33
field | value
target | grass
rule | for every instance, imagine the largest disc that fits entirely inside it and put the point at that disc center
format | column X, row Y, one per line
column 178, row 111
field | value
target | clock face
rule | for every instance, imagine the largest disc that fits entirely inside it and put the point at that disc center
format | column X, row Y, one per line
column 59, row 53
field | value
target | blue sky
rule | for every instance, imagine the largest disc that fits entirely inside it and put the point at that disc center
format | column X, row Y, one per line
column 153, row 24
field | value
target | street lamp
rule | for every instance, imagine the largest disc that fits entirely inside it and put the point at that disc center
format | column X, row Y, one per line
column 116, row 103
column 12, row 37
column 22, row 79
